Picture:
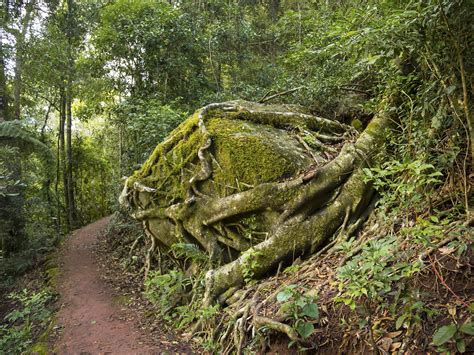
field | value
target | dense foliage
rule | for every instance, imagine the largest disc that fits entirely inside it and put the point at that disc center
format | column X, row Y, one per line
column 88, row 88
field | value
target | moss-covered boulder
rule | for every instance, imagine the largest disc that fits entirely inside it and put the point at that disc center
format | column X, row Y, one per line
column 242, row 145
column 253, row 186
column 243, row 154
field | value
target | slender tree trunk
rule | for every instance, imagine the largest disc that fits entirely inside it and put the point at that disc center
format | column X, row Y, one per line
column 120, row 132
column 62, row 149
column 3, row 86
column 71, row 211
column 20, row 37
column 72, row 214
column 56, row 185
column 17, row 82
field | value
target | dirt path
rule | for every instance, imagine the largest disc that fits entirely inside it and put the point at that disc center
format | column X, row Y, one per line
column 90, row 321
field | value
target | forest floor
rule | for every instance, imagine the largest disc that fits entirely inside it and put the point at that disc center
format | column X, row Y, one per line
column 93, row 317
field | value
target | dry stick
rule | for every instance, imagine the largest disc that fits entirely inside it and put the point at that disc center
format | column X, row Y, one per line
column 359, row 91
column 268, row 98
column 428, row 252
column 445, row 241
column 443, row 282
column 134, row 244
column 266, row 95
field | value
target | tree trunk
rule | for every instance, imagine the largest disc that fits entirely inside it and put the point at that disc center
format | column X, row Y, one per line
column 19, row 46
column 62, row 150
column 71, row 210
column 3, row 85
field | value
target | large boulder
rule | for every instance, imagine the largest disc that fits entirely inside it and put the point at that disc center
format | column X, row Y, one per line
column 251, row 144
column 253, row 186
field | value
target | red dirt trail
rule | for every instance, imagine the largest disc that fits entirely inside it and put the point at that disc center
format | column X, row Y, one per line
column 90, row 321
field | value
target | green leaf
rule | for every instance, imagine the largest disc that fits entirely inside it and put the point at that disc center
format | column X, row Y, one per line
column 311, row 310
column 461, row 345
column 305, row 329
column 284, row 295
column 444, row 334
column 467, row 328
column 450, row 89
column 400, row 320
column 285, row 309
column 300, row 302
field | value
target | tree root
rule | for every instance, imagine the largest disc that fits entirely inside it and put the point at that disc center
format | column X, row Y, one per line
column 264, row 322
column 312, row 206
column 312, row 228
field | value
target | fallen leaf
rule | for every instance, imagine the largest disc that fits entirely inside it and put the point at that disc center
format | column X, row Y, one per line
column 385, row 343
column 452, row 310
column 395, row 346
column 394, row 334
column 447, row 250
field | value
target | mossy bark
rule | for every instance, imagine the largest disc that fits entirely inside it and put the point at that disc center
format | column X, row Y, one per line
column 253, row 186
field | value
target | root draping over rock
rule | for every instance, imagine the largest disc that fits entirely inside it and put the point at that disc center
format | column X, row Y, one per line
column 254, row 186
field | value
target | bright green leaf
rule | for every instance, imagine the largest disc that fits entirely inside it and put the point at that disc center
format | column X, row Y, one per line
column 283, row 295
column 444, row 334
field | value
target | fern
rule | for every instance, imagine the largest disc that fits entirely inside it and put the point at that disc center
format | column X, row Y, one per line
column 11, row 132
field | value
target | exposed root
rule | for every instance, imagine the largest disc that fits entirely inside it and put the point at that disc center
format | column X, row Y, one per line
column 134, row 244
column 312, row 206
column 264, row 322
column 149, row 253
column 206, row 167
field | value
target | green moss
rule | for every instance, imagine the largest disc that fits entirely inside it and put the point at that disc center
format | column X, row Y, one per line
column 41, row 346
column 246, row 154
column 169, row 167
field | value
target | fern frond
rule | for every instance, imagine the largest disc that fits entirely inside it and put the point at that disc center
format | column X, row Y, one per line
column 12, row 133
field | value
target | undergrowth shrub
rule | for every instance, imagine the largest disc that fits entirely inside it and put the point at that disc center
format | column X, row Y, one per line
column 29, row 314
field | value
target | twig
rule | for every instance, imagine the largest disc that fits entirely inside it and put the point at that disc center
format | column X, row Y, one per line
column 443, row 282
column 135, row 244
column 346, row 88
column 268, row 98
column 446, row 240
column 308, row 149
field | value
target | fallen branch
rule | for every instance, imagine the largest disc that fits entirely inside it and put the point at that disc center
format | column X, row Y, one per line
column 267, row 98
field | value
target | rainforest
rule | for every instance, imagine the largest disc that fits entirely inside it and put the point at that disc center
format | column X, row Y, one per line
column 236, row 176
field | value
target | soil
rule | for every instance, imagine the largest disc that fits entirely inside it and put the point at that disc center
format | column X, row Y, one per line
column 90, row 320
